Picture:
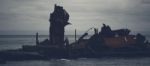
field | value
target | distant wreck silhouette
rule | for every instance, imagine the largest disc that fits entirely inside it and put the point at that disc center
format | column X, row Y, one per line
column 107, row 42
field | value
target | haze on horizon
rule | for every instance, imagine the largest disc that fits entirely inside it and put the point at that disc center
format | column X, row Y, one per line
column 31, row 16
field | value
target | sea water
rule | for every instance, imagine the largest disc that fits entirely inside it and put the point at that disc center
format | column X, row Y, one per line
column 16, row 41
column 144, row 61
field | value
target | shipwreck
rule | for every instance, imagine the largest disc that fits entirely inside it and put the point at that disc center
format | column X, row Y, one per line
column 106, row 42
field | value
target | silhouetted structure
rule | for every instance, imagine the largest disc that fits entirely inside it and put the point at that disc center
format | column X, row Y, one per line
column 107, row 32
column 58, row 20
column 107, row 42
column 37, row 40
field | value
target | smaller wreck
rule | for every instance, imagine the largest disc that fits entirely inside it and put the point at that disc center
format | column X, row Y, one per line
column 106, row 42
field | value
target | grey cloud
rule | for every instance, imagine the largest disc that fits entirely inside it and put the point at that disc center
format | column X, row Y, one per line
column 33, row 15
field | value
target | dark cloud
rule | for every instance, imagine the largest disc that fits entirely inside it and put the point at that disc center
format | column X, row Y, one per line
column 145, row 1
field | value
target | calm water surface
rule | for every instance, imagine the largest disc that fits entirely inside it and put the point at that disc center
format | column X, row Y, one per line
column 83, row 62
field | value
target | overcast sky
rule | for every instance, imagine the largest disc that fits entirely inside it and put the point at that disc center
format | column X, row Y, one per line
column 30, row 16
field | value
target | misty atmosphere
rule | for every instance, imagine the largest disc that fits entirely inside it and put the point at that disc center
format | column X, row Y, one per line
column 26, row 17
column 74, row 32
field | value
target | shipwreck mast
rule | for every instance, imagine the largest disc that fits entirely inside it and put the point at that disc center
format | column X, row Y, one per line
column 58, row 20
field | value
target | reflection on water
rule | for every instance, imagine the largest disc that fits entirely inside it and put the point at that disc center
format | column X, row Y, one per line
column 83, row 62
